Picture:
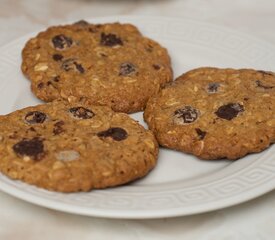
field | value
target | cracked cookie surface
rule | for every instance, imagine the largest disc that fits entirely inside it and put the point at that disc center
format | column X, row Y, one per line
column 69, row 147
column 104, row 64
column 215, row 113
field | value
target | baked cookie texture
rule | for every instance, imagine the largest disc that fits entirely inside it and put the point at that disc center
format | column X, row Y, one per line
column 215, row 113
column 74, row 147
column 104, row 64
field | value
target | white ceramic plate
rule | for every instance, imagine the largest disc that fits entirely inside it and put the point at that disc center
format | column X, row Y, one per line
column 180, row 184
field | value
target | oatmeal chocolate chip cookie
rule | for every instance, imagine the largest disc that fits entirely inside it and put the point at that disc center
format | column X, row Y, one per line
column 215, row 113
column 66, row 147
column 105, row 64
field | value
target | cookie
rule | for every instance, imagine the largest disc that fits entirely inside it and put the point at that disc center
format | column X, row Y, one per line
column 215, row 113
column 104, row 64
column 65, row 147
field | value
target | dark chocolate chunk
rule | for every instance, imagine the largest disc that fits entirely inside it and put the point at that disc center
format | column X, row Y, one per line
column 229, row 111
column 58, row 127
column 186, row 115
column 72, row 64
column 81, row 113
column 156, row 66
column 33, row 148
column 61, row 42
column 118, row 134
column 127, row 69
column 110, row 40
column 213, row 87
column 57, row 57
column 261, row 85
column 200, row 133
column 35, row 117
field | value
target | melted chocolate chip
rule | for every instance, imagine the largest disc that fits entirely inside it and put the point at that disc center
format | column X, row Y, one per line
column 261, row 85
column 213, row 87
column 156, row 66
column 72, row 64
column 57, row 57
column 229, row 111
column 200, row 133
column 186, row 115
column 33, row 148
column 35, row 117
column 61, row 42
column 110, row 40
column 118, row 134
column 127, row 69
column 81, row 113
column 58, row 127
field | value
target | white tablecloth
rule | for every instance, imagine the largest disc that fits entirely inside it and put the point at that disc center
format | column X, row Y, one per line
column 251, row 220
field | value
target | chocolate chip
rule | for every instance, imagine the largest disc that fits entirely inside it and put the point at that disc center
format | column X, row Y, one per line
column 81, row 113
column 61, row 42
column 118, row 134
column 33, row 148
column 127, row 69
column 156, row 66
column 213, row 87
column 229, row 111
column 57, row 57
column 245, row 98
column 35, row 117
column 110, row 40
column 200, row 133
column 72, row 64
column 261, row 85
column 58, row 127
column 79, row 67
column 186, row 115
